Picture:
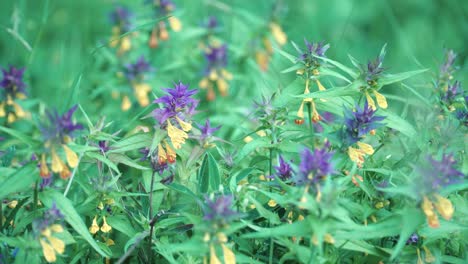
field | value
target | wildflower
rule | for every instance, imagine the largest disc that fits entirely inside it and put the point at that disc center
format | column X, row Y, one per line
column 216, row 74
column 284, row 170
column 413, row 239
column 314, row 166
column 178, row 107
column 371, row 74
column 437, row 175
column 45, row 229
column 13, row 88
column 446, row 69
column 57, row 133
column 451, row 92
column 359, row 122
column 313, row 50
column 206, row 134
column 159, row 32
column 105, row 228
column 218, row 208
column 265, row 51
column 94, row 228
column 135, row 74
column 121, row 19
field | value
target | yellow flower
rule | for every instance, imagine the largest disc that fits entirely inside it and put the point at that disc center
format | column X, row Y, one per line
column 444, row 207
column 428, row 210
column 171, row 154
column 44, row 170
column 72, row 158
column 175, row 24
column 381, row 100
column 162, row 156
column 126, row 104
column 50, row 244
column 229, row 256
column 177, row 135
column 57, row 164
column 184, row 125
column 357, row 154
column 278, row 34
column 105, row 228
column 94, row 226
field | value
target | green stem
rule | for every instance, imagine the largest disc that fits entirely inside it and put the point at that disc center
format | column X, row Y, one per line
column 35, row 197
column 150, row 252
column 309, row 112
column 270, row 260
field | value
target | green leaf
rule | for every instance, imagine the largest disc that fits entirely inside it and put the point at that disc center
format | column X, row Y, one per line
column 398, row 123
column 22, row 137
column 411, row 219
column 208, row 176
column 181, row 189
column 122, row 224
column 21, row 180
column 124, row 159
column 98, row 156
column 133, row 142
column 393, row 78
column 288, row 56
column 298, row 228
column 72, row 217
column 340, row 66
column 248, row 148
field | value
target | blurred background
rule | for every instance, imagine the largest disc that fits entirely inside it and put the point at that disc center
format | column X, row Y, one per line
column 56, row 40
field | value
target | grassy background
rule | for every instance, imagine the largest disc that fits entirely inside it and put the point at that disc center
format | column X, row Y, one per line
column 63, row 33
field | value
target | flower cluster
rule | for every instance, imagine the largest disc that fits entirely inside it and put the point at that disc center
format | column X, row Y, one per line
column 206, row 134
column 174, row 116
column 57, row 133
column 311, row 71
column 121, row 19
column 216, row 74
column 159, row 32
column 12, row 88
column 45, row 228
column 315, row 166
column 218, row 208
column 284, row 170
column 104, row 208
column 265, row 51
column 447, row 69
column 437, row 175
column 135, row 74
column 358, row 124
column 371, row 74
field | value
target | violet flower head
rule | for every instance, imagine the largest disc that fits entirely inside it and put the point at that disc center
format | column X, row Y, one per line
column 162, row 7
column 314, row 166
column 216, row 56
column 447, row 68
column 137, row 70
column 177, row 103
column 413, row 239
column 218, row 208
column 121, row 17
column 360, row 122
column 313, row 49
column 207, row 130
column 59, row 128
column 375, row 68
column 462, row 116
column 440, row 174
column 453, row 91
column 211, row 23
column 49, row 217
column 284, row 170
column 12, row 80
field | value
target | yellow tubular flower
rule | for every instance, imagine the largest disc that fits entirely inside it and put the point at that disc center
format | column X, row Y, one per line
column 370, row 101
column 94, row 226
column 229, row 256
column 203, row 84
column 262, row 60
column 213, row 258
column 444, row 207
column 2, row 110
column 278, row 34
column 56, row 162
column 184, row 125
column 381, row 101
column 125, row 44
column 162, row 156
column 141, row 93
column 126, row 104
column 44, row 170
column 105, row 228
column 366, row 148
column 175, row 24
column 428, row 210
column 171, row 154
column 177, row 135
column 48, row 251
column 72, row 158
column 222, row 86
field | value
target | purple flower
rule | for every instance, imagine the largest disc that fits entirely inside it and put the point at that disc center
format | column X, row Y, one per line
column 206, row 130
column 211, row 23
column 327, row 117
column 216, row 56
column 374, row 68
column 12, row 81
column 103, row 146
column 413, row 239
column 453, row 91
column 440, row 174
column 59, row 127
column 447, row 67
column 162, row 7
column 121, row 17
column 137, row 70
column 178, row 102
column 219, row 208
column 314, row 166
column 49, row 217
column 360, row 122
column 462, row 116
column 313, row 49
column 284, row 170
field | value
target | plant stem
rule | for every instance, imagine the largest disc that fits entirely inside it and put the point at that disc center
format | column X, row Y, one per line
column 151, row 218
column 270, row 260
column 309, row 112
column 35, row 197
